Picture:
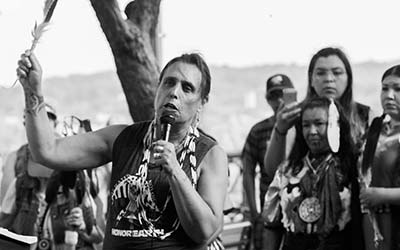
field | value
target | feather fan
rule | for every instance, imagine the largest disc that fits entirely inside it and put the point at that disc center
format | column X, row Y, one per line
column 38, row 30
column 365, row 170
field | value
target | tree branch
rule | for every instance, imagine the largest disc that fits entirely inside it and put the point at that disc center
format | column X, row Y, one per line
column 145, row 15
column 132, row 43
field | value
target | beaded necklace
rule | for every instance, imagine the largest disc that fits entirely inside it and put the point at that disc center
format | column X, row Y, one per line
column 310, row 208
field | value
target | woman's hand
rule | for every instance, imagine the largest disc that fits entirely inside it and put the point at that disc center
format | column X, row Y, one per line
column 371, row 196
column 286, row 116
column 75, row 219
column 165, row 155
column 29, row 72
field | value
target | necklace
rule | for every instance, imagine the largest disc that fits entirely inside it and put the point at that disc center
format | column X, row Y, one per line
column 317, row 161
column 179, row 146
column 137, row 187
column 310, row 208
column 317, row 167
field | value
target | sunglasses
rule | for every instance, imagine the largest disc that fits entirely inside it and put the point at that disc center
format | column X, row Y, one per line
column 72, row 125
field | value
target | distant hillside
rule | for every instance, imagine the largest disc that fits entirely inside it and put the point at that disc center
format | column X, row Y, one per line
column 236, row 101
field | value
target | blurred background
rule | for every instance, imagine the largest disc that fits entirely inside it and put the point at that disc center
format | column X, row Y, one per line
column 236, row 100
column 244, row 43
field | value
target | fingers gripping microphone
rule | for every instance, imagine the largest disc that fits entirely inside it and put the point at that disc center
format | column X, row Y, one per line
column 166, row 121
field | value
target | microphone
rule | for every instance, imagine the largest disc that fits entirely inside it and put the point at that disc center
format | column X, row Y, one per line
column 167, row 120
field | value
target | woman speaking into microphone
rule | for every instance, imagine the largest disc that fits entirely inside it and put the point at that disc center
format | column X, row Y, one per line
column 166, row 194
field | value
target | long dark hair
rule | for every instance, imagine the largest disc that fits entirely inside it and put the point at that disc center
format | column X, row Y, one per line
column 392, row 71
column 375, row 130
column 346, row 100
column 300, row 148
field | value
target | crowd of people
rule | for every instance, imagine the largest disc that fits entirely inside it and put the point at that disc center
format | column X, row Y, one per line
column 329, row 177
column 334, row 184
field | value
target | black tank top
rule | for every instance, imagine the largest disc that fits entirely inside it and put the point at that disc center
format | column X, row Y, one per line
column 126, row 230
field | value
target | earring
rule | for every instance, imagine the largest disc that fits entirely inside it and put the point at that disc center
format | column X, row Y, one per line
column 196, row 120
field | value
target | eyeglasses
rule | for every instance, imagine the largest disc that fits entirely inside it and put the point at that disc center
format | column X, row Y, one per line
column 72, row 125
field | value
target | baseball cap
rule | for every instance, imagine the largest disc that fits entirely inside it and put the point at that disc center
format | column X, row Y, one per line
column 278, row 82
column 51, row 112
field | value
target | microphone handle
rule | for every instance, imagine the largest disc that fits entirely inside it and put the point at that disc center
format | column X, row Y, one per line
column 167, row 130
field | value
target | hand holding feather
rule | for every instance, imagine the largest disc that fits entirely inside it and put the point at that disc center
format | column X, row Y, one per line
column 29, row 73
column 38, row 30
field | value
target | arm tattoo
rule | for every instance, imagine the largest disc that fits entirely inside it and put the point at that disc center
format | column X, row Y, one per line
column 33, row 103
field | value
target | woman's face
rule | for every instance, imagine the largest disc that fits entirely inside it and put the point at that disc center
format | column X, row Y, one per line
column 329, row 77
column 179, row 92
column 390, row 96
column 315, row 123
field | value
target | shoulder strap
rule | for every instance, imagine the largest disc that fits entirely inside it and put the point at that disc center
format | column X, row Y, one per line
column 203, row 144
column 41, row 225
column 128, row 140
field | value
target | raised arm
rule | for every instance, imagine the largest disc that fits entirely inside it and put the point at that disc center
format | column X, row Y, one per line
column 75, row 152
column 276, row 151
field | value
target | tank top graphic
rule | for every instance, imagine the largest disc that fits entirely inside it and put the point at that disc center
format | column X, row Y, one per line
column 142, row 211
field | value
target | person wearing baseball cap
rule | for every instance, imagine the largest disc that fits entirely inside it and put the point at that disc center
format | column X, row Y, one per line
column 275, row 85
column 253, row 156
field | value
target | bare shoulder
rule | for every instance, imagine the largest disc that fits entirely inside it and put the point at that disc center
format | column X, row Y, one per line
column 213, row 174
column 215, row 159
column 216, row 151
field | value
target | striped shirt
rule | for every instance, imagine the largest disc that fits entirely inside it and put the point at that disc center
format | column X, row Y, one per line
column 254, row 150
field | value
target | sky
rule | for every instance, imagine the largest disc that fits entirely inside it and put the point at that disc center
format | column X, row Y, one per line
column 227, row 32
